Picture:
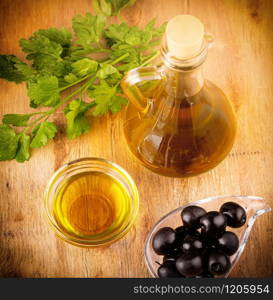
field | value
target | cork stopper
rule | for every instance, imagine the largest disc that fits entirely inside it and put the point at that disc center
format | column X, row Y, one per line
column 184, row 36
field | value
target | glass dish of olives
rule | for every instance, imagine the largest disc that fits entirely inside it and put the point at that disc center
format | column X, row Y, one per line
column 204, row 238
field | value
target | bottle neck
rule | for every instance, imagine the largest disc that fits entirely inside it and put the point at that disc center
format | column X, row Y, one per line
column 185, row 74
column 185, row 84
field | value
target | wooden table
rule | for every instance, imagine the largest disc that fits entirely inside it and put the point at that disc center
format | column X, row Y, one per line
column 241, row 62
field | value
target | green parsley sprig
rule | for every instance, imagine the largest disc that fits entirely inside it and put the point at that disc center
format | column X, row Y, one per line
column 59, row 63
column 111, row 7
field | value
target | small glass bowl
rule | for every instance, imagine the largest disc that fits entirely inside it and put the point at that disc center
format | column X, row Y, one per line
column 84, row 165
column 254, row 206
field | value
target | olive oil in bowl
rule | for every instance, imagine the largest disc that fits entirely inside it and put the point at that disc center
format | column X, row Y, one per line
column 91, row 202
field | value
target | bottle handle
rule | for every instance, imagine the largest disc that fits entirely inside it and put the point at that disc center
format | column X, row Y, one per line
column 142, row 85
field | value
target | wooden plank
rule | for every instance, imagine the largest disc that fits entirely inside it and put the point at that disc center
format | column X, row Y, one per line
column 240, row 61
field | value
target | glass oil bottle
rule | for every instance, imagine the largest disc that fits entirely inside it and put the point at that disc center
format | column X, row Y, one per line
column 178, row 123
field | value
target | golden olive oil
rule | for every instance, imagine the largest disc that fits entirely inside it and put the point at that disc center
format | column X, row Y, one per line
column 91, row 205
column 179, row 123
column 182, row 136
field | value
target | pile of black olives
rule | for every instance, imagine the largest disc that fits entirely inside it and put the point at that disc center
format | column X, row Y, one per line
column 202, row 246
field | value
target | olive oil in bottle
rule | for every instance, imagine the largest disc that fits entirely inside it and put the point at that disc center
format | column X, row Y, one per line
column 178, row 123
column 182, row 136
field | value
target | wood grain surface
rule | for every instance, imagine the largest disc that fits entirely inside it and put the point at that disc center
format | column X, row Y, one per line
column 240, row 62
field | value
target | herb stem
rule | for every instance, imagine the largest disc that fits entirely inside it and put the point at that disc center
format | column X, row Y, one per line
column 46, row 114
column 100, row 50
column 33, row 123
column 80, row 53
column 80, row 89
column 38, row 113
column 150, row 59
column 113, row 62
column 75, row 82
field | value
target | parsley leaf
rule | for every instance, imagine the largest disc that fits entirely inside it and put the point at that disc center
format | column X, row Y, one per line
column 16, row 119
column 136, row 37
column 118, row 5
column 106, row 99
column 114, row 78
column 133, row 36
column 84, row 66
column 106, row 70
column 70, row 78
column 23, row 148
column 45, row 91
column 12, row 69
column 39, row 44
column 47, row 48
column 117, row 32
column 102, row 7
column 117, row 103
column 48, row 65
column 88, row 28
column 8, row 142
column 60, row 62
column 111, row 7
column 132, row 60
column 60, row 36
column 81, row 68
column 25, row 70
column 77, row 123
column 102, row 94
column 42, row 133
